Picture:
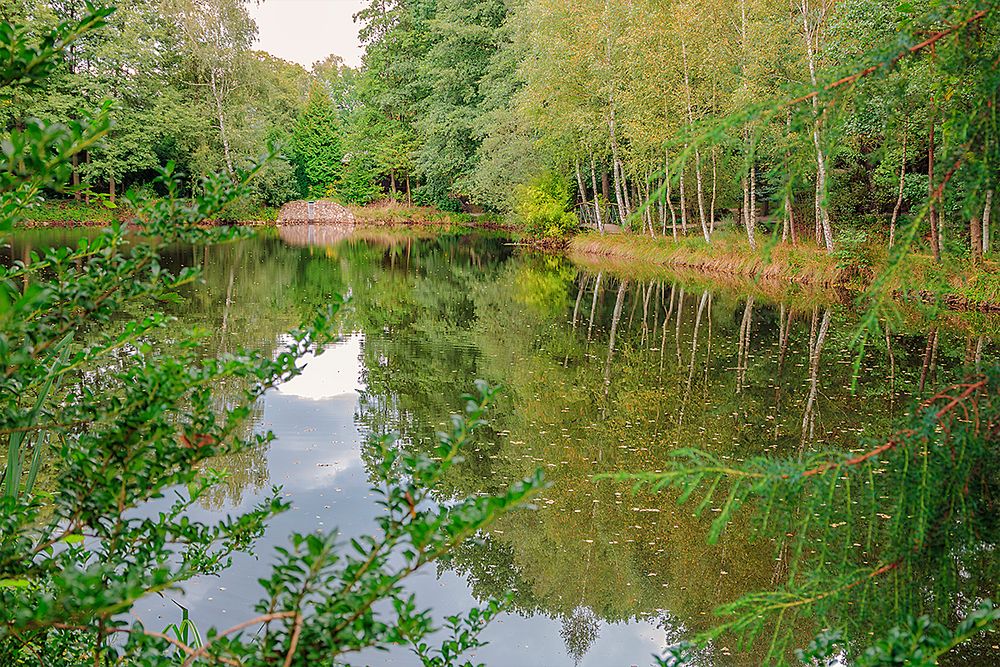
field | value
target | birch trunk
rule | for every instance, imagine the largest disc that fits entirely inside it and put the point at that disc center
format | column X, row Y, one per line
column 697, row 151
column 810, row 33
column 986, row 221
column 582, row 188
column 76, row 177
column 217, row 96
column 711, row 208
column 597, row 200
column 669, row 194
column 684, row 219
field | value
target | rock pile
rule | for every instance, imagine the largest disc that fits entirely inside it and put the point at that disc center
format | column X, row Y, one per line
column 320, row 212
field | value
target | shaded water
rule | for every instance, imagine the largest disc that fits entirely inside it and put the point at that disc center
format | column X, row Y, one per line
column 603, row 371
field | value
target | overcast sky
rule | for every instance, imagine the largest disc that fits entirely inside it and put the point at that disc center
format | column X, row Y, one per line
column 305, row 31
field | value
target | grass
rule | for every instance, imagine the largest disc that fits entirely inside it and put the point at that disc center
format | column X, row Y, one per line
column 956, row 281
column 395, row 213
column 71, row 213
column 728, row 254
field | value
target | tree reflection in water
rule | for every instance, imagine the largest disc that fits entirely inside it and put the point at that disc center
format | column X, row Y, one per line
column 605, row 369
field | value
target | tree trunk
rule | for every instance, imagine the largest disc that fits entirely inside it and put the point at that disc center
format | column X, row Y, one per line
column 605, row 186
column 76, row 177
column 392, row 183
column 822, row 213
column 597, row 200
column 111, row 189
column 986, row 221
column 789, row 229
column 748, row 223
column 649, row 210
column 217, row 95
column 697, row 151
column 899, row 195
column 615, row 163
column 711, row 208
column 670, row 201
column 86, row 194
column 579, row 184
column 931, row 212
column 409, row 196
column 684, row 219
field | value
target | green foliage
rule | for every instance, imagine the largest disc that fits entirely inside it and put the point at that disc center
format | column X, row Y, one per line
column 854, row 251
column 541, row 207
column 851, row 523
column 126, row 411
column 317, row 145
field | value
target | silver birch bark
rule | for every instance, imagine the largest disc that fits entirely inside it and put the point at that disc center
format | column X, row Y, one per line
column 697, row 151
column 597, row 200
column 811, row 35
column 986, row 221
column 669, row 194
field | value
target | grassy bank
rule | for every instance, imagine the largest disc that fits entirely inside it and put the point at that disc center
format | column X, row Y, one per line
column 958, row 283
column 71, row 213
column 395, row 213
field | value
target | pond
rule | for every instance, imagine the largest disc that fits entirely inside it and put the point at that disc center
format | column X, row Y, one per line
column 603, row 369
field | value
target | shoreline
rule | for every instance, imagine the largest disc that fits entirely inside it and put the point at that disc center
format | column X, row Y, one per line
column 958, row 286
column 955, row 285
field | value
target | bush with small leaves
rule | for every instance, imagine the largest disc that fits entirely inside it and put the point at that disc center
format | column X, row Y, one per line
column 121, row 418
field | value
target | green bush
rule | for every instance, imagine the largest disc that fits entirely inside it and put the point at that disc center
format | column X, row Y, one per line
column 125, row 411
column 854, row 251
column 541, row 207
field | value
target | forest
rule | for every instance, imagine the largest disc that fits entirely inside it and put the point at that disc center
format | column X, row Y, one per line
column 699, row 369
column 816, row 120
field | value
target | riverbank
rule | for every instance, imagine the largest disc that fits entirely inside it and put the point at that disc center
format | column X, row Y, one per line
column 957, row 283
column 70, row 213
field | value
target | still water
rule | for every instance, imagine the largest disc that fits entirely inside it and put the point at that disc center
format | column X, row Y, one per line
column 603, row 370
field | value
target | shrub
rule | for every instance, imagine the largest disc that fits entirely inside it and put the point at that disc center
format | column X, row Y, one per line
column 541, row 207
column 125, row 413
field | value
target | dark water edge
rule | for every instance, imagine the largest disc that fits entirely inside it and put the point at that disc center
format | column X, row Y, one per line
column 603, row 371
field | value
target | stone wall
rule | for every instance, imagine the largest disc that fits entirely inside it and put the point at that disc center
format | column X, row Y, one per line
column 323, row 213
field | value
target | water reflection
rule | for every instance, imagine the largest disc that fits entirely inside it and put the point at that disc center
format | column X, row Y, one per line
column 603, row 370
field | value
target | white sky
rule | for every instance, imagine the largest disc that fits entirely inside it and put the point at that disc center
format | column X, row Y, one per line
column 305, row 31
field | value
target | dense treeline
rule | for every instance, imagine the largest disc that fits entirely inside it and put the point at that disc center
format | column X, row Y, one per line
column 188, row 88
column 674, row 104
column 819, row 120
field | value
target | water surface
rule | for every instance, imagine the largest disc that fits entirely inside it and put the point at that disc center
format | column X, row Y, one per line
column 602, row 371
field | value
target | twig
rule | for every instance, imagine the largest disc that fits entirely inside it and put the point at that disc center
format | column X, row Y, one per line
column 930, row 41
column 203, row 649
